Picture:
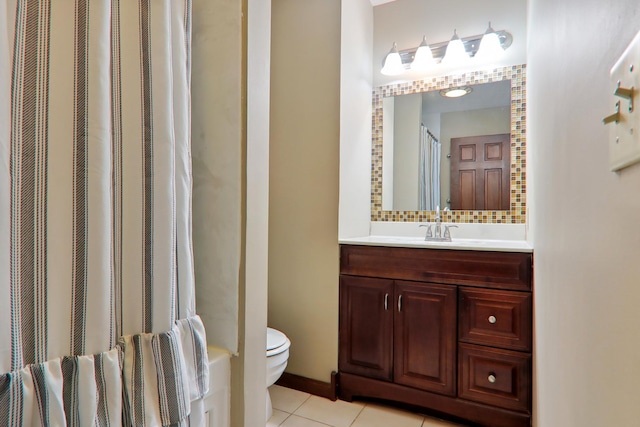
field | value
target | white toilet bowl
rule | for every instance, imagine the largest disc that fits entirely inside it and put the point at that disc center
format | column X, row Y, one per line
column 277, row 355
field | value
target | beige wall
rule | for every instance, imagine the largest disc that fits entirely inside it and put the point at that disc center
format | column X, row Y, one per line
column 303, row 192
column 218, row 164
column 584, row 219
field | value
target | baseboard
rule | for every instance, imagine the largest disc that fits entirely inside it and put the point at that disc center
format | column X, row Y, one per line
column 311, row 386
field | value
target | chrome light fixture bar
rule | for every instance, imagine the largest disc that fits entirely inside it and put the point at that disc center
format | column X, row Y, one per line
column 471, row 45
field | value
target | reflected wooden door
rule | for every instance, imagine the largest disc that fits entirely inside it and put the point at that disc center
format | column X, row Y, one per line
column 480, row 172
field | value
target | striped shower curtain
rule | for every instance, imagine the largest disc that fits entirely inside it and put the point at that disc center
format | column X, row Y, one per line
column 429, row 171
column 97, row 311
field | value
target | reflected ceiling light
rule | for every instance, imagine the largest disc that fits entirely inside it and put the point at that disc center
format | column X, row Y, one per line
column 490, row 47
column 423, row 59
column 456, row 54
column 456, row 92
column 393, row 63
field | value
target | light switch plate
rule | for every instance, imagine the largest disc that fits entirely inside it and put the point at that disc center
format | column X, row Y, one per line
column 624, row 135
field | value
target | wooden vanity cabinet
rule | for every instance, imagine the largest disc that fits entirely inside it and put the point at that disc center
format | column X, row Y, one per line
column 366, row 328
column 384, row 332
column 424, row 338
column 446, row 330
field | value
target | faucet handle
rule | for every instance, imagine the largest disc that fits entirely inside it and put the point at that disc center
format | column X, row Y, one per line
column 447, row 232
column 429, row 231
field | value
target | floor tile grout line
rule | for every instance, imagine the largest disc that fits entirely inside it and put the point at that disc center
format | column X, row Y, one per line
column 286, row 418
column 321, row 422
column 315, row 421
column 362, row 405
column 359, row 413
column 297, row 407
column 300, row 405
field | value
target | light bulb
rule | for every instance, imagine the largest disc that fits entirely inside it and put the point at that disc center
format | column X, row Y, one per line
column 393, row 63
column 423, row 59
column 490, row 47
column 455, row 53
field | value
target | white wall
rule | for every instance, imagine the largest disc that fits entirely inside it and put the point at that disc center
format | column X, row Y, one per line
column 304, row 173
column 256, row 246
column 230, row 127
column 584, row 219
column 356, row 46
column 406, row 151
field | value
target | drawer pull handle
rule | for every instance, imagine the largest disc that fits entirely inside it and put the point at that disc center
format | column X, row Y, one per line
column 386, row 302
column 492, row 319
column 400, row 303
column 492, row 378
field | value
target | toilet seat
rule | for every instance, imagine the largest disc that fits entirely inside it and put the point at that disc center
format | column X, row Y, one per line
column 277, row 342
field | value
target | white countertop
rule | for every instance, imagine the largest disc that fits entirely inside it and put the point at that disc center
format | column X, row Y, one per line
column 459, row 244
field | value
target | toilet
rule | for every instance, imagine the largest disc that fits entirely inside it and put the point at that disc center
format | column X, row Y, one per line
column 277, row 355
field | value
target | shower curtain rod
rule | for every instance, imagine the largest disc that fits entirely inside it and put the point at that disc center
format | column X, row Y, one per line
column 430, row 134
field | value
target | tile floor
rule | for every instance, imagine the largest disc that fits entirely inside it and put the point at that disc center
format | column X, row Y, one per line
column 293, row 408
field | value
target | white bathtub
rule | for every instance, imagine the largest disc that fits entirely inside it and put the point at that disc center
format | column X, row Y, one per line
column 216, row 404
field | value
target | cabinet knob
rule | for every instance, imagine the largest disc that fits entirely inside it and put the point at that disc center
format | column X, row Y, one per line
column 491, row 378
column 492, row 319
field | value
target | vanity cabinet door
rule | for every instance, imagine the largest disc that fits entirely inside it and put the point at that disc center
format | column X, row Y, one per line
column 366, row 327
column 425, row 337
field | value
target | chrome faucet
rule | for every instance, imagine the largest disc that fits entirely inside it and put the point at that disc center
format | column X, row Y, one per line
column 438, row 227
column 437, row 235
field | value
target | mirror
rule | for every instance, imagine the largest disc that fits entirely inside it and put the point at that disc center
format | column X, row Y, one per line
column 495, row 110
column 419, row 162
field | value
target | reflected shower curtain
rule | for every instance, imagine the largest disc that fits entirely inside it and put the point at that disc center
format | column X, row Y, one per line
column 97, row 310
column 428, row 171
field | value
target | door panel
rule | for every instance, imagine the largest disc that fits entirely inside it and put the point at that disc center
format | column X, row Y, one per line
column 480, row 172
column 493, row 190
column 467, row 189
column 425, row 337
column 366, row 327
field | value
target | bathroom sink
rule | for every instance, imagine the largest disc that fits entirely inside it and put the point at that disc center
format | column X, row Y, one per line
column 460, row 244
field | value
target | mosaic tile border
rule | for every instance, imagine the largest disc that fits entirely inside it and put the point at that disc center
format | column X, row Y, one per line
column 518, row 188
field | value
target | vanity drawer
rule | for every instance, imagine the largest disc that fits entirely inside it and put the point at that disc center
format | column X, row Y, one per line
column 495, row 377
column 495, row 318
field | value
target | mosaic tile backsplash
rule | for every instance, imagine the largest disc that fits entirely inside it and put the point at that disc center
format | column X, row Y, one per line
column 517, row 213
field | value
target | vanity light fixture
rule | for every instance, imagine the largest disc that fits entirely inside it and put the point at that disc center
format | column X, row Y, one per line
column 480, row 47
column 456, row 92
column 490, row 47
column 423, row 59
column 393, row 63
column 455, row 54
